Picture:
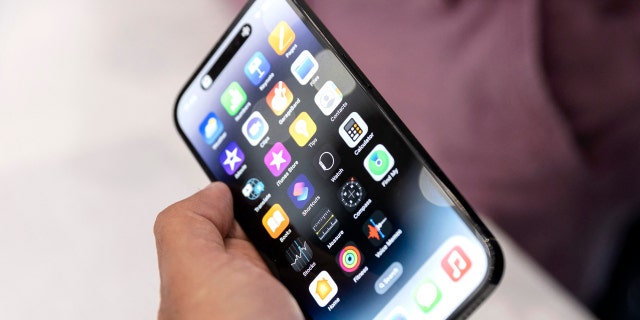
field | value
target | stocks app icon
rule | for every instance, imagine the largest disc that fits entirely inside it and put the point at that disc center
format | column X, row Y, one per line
column 377, row 228
column 299, row 254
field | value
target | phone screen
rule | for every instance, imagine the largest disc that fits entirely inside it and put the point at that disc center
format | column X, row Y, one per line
column 351, row 214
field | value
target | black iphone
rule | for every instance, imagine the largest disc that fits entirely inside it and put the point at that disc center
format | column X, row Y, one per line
column 345, row 206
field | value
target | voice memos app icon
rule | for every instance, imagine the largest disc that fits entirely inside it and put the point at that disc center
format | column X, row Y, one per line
column 379, row 162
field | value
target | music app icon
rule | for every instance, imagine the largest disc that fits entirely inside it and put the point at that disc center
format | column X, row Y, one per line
column 456, row 263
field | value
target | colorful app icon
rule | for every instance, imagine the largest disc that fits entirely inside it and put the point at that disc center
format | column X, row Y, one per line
column 326, row 160
column 323, row 288
column 233, row 98
column 351, row 194
column 427, row 295
column 257, row 68
column 325, row 224
column 299, row 254
column 456, row 263
column 231, row 158
column 377, row 228
column 275, row 221
column 281, row 38
column 349, row 259
column 304, row 67
column 300, row 191
column 277, row 159
column 353, row 129
column 302, row 129
column 279, row 98
column 255, row 128
column 328, row 98
column 253, row 189
column 211, row 128
column 379, row 162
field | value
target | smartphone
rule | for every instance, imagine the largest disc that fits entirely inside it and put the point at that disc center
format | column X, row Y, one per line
column 342, row 202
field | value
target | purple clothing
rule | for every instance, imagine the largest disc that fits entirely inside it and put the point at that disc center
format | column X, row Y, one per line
column 532, row 108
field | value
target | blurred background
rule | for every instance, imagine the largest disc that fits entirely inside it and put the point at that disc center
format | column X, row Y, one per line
column 89, row 154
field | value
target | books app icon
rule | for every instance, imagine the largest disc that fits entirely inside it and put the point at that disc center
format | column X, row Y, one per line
column 275, row 221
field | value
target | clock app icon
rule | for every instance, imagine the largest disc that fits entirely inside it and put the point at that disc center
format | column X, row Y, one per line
column 351, row 194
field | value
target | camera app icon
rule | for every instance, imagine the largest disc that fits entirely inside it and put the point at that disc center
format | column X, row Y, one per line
column 328, row 98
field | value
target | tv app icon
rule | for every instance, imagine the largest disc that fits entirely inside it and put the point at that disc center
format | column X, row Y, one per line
column 353, row 129
column 231, row 158
column 304, row 67
column 299, row 254
column 211, row 128
column 255, row 128
column 328, row 98
column 379, row 162
column 323, row 288
column 300, row 191
column 377, row 228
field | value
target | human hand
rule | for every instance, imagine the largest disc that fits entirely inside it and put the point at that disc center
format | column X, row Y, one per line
column 208, row 267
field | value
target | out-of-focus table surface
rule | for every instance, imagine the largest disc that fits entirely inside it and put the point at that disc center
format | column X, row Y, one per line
column 89, row 155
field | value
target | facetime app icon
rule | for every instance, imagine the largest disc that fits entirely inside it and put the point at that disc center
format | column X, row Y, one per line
column 275, row 221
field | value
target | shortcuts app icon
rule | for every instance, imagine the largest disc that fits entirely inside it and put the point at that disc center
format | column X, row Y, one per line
column 323, row 288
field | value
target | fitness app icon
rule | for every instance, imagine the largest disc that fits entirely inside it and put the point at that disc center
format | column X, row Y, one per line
column 349, row 259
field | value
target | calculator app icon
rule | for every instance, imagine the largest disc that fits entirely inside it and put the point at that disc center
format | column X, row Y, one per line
column 353, row 129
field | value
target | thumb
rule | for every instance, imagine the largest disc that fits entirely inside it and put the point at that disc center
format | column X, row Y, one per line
column 190, row 235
